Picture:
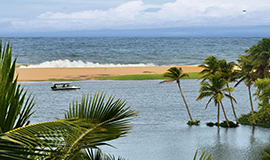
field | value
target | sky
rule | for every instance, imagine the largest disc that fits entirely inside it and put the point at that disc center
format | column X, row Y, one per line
column 135, row 18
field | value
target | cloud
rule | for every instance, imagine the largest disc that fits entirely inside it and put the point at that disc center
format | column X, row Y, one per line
column 136, row 15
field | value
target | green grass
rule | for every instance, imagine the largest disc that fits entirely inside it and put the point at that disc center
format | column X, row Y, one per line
column 141, row 77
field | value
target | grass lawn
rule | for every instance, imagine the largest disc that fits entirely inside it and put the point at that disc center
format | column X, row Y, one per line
column 141, row 77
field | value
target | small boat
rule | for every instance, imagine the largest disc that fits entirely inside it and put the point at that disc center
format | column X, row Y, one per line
column 63, row 86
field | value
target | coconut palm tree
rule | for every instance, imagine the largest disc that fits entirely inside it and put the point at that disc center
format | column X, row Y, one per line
column 260, row 56
column 215, row 89
column 248, row 75
column 15, row 105
column 96, row 122
column 88, row 124
column 210, row 65
column 229, row 73
column 175, row 74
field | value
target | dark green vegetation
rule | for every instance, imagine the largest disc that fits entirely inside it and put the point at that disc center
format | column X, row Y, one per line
column 196, row 122
column 88, row 124
column 222, row 124
column 255, row 70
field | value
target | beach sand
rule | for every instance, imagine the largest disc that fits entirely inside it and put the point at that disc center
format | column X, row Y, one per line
column 43, row 74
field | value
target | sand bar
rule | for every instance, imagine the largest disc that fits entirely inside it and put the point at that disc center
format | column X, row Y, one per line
column 43, row 74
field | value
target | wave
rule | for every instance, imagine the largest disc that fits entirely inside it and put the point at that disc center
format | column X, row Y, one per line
column 80, row 64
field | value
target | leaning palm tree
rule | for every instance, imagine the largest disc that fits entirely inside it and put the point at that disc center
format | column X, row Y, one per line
column 175, row 74
column 248, row 75
column 230, row 75
column 215, row 89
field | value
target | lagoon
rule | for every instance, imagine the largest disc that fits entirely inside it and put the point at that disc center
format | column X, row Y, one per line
column 160, row 131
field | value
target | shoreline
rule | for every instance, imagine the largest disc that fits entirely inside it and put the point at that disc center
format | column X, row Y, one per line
column 46, row 74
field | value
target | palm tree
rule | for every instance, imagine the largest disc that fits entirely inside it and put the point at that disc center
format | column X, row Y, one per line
column 248, row 76
column 175, row 74
column 260, row 56
column 230, row 75
column 87, row 126
column 96, row 122
column 15, row 105
column 216, row 90
column 210, row 65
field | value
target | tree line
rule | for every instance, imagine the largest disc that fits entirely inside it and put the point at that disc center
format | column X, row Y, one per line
column 217, row 76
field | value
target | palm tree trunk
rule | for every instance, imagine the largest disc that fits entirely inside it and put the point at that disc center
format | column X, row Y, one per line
column 184, row 101
column 218, row 114
column 251, row 104
column 233, row 107
column 225, row 114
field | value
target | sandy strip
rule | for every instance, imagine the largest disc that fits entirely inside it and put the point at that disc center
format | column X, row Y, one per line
column 37, row 74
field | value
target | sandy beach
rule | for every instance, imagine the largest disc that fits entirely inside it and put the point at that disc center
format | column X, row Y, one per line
column 43, row 74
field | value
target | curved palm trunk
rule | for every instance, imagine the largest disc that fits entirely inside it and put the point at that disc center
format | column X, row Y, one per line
column 233, row 107
column 225, row 114
column 251, row 104
column 184, row 101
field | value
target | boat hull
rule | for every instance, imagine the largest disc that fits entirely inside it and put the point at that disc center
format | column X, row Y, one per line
column 64, row 88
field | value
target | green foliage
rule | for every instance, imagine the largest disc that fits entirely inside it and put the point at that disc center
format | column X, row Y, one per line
column 196, row 122
column 263, row 92
column 223, row 124
column 246, row 119
column 193, row 75
column 15, row 105
column 204, row 156
column 266, row 153
column 259, row 54
column 174, row 74
column 232, row 124
column 88, row 124
column 262, row 117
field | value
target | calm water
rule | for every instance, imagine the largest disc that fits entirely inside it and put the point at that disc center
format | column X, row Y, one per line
column 90, row 52
column 160, row 131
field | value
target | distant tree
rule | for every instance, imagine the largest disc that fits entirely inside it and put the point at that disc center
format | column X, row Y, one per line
column 248, row 75
column 175, row 74
column 226, row 70
column 210, row 65
column 259, row 54
column 230, row 74
column 215, row 89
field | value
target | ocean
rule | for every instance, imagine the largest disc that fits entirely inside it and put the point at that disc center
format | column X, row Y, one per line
column 121, row 52
column 160, row 131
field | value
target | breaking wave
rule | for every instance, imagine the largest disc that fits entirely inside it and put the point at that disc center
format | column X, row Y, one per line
column 80, row 64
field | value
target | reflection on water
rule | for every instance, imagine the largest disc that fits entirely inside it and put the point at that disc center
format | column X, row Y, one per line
column 160, row 131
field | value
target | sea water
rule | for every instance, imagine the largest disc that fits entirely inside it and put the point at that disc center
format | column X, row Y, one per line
column 111, row 52
column 160, row 131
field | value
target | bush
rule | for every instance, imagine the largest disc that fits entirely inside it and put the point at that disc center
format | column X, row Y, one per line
column 232, row 124
column 223, row 124
column 211, row 124
column 196, row 122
